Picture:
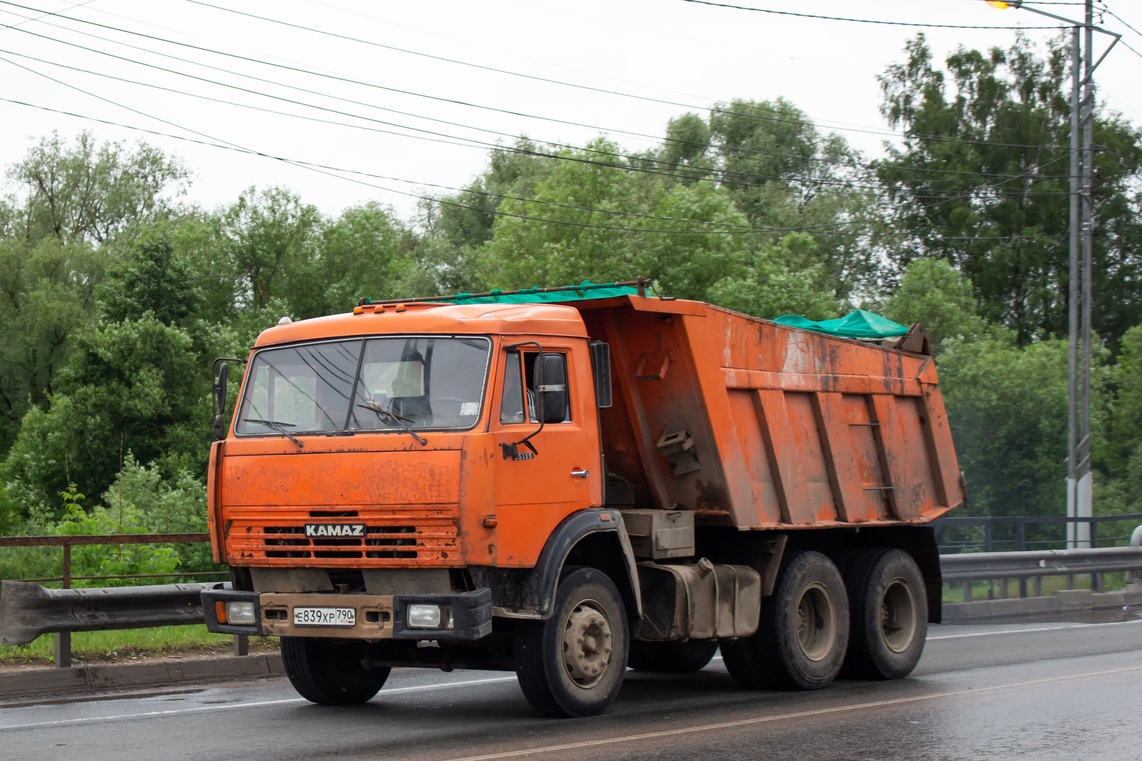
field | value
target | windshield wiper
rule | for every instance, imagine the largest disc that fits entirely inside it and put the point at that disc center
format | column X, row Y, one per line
column 279, row 427
column 402, row 422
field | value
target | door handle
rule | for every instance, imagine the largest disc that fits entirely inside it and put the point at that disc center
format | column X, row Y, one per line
column 580, row 473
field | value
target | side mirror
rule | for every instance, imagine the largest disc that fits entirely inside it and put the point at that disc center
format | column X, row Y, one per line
column 218, row 391
column 551, row 388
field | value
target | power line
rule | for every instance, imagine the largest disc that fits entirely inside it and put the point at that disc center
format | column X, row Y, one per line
column 510, row 112
column 712, row 178
column 721, row 176
column 859, row 20
column 335, row 173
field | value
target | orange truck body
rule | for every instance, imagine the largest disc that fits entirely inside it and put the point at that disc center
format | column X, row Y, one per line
column 759, row 435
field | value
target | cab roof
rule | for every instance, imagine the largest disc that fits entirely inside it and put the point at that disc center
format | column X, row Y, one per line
column 414, row 318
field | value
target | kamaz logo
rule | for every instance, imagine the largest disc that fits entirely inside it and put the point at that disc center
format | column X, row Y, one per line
column 335, row 529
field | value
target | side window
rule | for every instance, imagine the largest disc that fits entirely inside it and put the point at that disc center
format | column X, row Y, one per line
column 511, row 409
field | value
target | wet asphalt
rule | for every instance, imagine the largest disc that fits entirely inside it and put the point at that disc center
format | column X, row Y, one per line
column 1011, row 691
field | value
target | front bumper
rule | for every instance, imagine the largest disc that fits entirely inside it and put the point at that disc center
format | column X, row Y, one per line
column 376, row 616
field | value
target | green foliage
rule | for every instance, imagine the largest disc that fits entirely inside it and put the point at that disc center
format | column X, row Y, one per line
column 934, row 293
column 982, row 181
column 592, row 221
column 91, row 193
column 130, row 386
column 175, row 505
column 1123, row 445
column 269, row 238
column 780, row 279
column 1007, row 407
column 46, row 294
column 150, row 279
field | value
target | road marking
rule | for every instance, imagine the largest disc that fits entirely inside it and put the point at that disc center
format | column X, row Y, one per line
column 1071, row 627
column 233, row 706
column 782, row 717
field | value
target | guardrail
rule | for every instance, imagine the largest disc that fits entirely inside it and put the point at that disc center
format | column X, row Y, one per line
column 67, row 541
column 1010, row 532
column 28, row 610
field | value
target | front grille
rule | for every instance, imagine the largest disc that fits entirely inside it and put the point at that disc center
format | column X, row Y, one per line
column 424, row 534
column 379, row 542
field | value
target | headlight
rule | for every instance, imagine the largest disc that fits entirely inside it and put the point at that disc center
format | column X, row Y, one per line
column 240, row 614
column 426, row 616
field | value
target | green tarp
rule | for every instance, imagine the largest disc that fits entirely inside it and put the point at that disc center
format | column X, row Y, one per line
column 585, row 290
column 858, row 324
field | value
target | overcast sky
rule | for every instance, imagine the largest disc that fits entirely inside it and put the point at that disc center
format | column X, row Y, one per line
column 376, row 96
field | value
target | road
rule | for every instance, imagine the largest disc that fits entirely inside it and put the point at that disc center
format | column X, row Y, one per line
column 1037, row 691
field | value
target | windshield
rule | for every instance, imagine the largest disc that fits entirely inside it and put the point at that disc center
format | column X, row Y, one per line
column 409, row 382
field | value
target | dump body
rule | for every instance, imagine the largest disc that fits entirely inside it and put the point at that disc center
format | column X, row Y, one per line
column 775, row 427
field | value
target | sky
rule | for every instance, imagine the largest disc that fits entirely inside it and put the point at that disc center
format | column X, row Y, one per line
column 346, row 103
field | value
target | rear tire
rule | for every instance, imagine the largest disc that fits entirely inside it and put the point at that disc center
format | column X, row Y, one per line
column 330, row 673
column 803, row 630
column 889, row 605
column 671, row 657
column 573, row 663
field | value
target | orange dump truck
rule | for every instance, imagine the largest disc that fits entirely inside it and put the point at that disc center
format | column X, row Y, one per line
column 568, row 482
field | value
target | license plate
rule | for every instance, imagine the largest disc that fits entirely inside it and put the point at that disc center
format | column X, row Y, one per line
column 324, row 616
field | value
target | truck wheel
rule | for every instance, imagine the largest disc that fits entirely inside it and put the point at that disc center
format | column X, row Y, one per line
column 889, row 607
column 573, row 663
column 803, row 631
column 671, row 657
column 329, row 672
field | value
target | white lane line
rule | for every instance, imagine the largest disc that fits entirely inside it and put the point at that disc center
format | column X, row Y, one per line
column 233, row 706
column 782, row 717
column 1070, row 627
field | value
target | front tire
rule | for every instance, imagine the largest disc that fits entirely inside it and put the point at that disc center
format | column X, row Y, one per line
column 802, row 633
column 330, row 673
column 889, row 606
column 573, row 663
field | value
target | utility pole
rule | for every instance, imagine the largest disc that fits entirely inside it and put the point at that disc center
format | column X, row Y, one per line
column 1080, row 487
column 1084, row 496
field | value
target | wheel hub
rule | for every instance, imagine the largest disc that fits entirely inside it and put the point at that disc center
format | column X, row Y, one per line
column 898, row 616
column 587, row 644
column 816, row 624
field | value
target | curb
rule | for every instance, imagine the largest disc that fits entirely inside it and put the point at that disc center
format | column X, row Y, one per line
column 32, row 682
column 1059, row 606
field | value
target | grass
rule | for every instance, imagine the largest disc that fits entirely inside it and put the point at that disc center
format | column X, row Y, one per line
column 131, row 644
column 955, row 592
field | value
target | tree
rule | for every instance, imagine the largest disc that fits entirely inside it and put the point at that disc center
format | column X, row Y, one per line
column 269, row 237
column 150, row 279
column 359, row 256
column 982, row 181
column 127, row 387
column 1007, row 408
column 782, row 172
column 778, row 279
column 90, row 192
column 605, row 223
column 1122, row 450
column 934, row 293
column 47, row 292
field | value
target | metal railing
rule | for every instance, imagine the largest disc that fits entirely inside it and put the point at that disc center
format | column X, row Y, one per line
column 28, row 610
column 1010, row 532
column 63, row 654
